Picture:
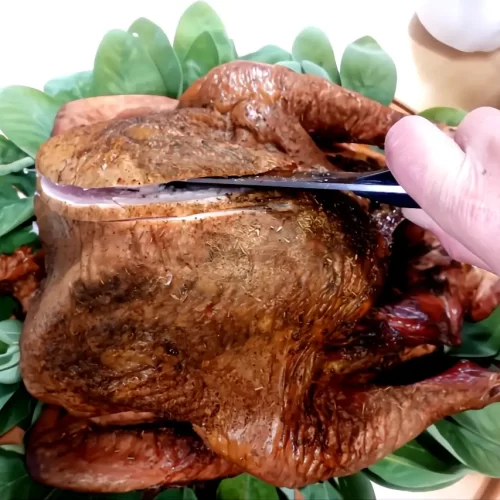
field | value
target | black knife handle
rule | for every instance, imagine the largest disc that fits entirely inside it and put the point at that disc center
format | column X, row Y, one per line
column 385, row 178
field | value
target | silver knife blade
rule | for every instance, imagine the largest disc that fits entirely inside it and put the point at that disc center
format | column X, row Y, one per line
column 337, row 181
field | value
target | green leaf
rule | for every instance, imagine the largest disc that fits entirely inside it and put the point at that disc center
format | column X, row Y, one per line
column 245, row 487
column 157, row 44
column 14, row 212
column 313, row 45
column 449, row 116
column 23, row 235
column 9, row 152
column 122, row 65
column 37, row 412
column 225, row 47
column 289, row 493
column 200, row 59
column 63, row 495
column 10, row 332
column 176, row 494
column 413, row 468
column 8, row 307
column 6, row 392
column 485, row 422
column 369, row 70
column 481, row 339
column 16, row 448
column 419, row 488
column 293, row 65
column 27, row 116
column 321, row 491
column 9, row 365
column 15, row 484
column 269, row 54
column 25, row 182
column 356, row 486
column 197, row 19
column 479, row 452
column 70, row 88
column 416, row 454
column 17, row 166
column 310, row 68
column 17, row 410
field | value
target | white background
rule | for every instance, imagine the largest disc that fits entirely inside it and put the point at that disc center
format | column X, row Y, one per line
column 44, row 39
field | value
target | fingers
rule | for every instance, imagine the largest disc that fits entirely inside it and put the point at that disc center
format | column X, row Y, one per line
column 453, row 247
column 423, row 160
column 457, row 184
column 478, row 133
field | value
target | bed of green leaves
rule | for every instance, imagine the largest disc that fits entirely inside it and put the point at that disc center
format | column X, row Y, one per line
column 141, row 60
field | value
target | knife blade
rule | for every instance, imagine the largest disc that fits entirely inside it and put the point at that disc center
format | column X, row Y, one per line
column 378, row 186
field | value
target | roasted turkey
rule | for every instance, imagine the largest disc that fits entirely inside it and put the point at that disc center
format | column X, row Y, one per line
column 187, row 334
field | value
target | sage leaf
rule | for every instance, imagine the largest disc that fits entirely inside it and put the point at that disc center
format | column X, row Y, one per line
column 9, row 365
column 245, row 487
column 37, row 412
column 293, row 65
column 321, row 491
column 9, row 152
column 10, row 331
column 356, row 486
column 17, row 411
column 8, row 307
column 413, row 468
column 15, row 484
column 200, row 59
column 416, row 481
column 313, row 45
column 16, row 166
column 311, row 68
column 415, row 454
column 481, row 339
column 22, row 235
column 367, row 69
column 11, row 184
column 485, row 422
column 70, row 88
column 197, row 19
column 6, row 392
column 15, row 448
column 225, row 47
column 289, row 493
column 122, row 65
column 27, row 116
column 448, row 116
column 269, row 54
column 176, row 494
column 157, row 44
column 14, row 212
column 63, row 495
column 477, row 451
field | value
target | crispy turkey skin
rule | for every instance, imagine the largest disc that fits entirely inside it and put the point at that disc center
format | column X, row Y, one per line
column 184, row 335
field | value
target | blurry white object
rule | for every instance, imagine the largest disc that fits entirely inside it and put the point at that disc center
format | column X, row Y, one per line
column 465, row 25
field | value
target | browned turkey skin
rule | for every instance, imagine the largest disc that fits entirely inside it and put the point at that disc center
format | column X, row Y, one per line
column 191, row 335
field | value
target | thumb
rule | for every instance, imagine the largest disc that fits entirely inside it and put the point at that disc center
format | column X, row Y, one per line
column 447, row 183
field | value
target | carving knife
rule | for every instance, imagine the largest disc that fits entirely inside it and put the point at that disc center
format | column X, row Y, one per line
column 378, row 186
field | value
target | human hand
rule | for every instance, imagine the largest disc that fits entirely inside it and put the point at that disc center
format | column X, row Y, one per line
column 455, row 181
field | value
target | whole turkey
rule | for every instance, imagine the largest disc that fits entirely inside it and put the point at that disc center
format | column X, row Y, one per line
column 188, row 334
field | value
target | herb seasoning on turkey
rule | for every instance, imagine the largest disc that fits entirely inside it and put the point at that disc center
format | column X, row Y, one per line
column 186, row 335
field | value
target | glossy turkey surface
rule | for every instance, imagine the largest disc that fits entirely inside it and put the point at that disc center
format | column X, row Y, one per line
column 183, row 335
